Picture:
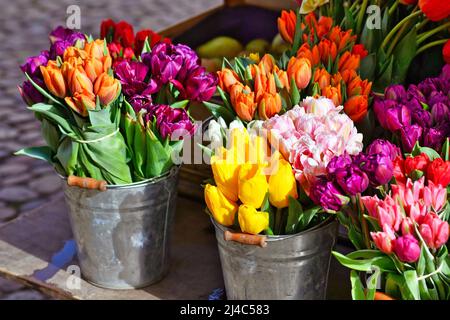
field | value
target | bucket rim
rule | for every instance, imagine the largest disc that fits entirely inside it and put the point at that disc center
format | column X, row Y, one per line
column 328, row 221
column 173, row 171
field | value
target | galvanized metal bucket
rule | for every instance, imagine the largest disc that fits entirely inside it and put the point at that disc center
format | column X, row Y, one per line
column 122, row 234
column 290, row 267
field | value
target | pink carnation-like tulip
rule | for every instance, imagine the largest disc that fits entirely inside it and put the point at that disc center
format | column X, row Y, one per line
column 435, row 196
column 311, row 135
column 407, row 248
column 387, row 211
column 384, row 240
column 434, row 231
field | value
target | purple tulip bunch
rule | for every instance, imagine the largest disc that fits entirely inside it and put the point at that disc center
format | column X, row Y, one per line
column 60, row 39
column 167, row 73
column 349, row 175
column 420, row 113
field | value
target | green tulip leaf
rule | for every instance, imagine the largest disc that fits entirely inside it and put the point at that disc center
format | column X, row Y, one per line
column 220, row 111
column 404, row 53
column 357, row 286
column 42, row 153
column 295, row 211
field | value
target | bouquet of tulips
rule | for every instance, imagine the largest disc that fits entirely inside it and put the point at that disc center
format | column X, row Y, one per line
column 259, row 189
column 394, row 32
column 118, row 122
column 400, row 228
column 417, row 114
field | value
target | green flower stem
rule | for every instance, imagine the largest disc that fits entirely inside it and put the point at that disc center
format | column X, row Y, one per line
column 362, row 12
column 431, row 44
column 398, row 36
column 422, row 24
column 392, row 9
column 394, row 30
column 364, row 226
column 423, row 36
column 354, row 4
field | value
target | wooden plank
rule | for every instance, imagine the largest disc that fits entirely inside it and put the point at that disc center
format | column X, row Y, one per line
column 36, row 249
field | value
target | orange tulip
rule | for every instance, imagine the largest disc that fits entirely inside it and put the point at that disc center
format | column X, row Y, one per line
column 53, row 79
column 77, row 79
column 327, row 50
column 269, row 105
column 106, row 88
column 96, row 49
column 227, row 78
column 242, row 99
column 358, row 87
column 283, row 77
column 80, row 103
column 333, row 93
column 93, row 68
column 299, row 69
column 348, row 61
column 322, row 77
column 341, row 38
column 312, row 55
column 74, row 52
column 348, row 75
column 325, row 24
column 286, row 25
column 263, row 82
column 356, row 107
column 267, row 62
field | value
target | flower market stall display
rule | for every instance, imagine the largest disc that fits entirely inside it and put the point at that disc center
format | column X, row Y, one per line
column 256, row 192
column 401, row 231
column 113, row 124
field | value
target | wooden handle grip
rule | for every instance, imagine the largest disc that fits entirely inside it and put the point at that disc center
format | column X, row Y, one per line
column 86, row 183
column 382, row 296
column 246, row 238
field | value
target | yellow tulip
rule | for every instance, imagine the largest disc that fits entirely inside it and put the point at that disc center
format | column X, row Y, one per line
column 239, row 140
column 222, row 209
column 282, row 184
column 257, row 150
column 226, row 174
column 252, row 221
column 253, row 185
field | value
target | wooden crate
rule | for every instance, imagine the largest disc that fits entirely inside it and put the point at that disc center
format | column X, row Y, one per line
column 243, row 20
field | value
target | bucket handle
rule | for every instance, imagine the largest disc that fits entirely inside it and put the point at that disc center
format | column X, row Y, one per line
column 86, row 183
column 244, row 238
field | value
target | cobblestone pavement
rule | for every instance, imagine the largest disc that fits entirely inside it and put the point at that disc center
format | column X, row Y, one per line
column 25, row 184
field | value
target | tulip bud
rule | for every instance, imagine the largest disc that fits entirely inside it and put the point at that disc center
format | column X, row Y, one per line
column 227, row 78
column 222, row 209
column 252, row 221
column 226, row 174
column 286, row 25
column 395, row 92
column 282, row 185
column 106, row 88
column 53, row 79
column 348, row 61
column 333, row 93
column 81, row 103
column 253, row 185
column 78, row 81
column 242, row 99
column 384, row 241
column 96, row 49
column 407, row 248
column 299, row 69
column 322, row 77
column 356, row 107
column 434, row 231
column 269, row 105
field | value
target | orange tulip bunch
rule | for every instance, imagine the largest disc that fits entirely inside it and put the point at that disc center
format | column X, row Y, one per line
column 334, row 59
column 254, row 90
column 81, row 77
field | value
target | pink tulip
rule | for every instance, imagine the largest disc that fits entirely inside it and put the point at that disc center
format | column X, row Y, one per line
column 417, row 212
column 407, row 226
column 371, row 204
column 384, row 240
column 435, row 196
column 407, row 248
column 434, row 231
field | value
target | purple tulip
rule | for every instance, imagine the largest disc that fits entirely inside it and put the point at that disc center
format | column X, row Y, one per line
column 410, row 135
column 173, row 122
column 199, row 85
column 164, row 62
column 422, row 118
column 337, row 163
column 378, row 167
column 396, row 117
column 427, row 86
column 352, row 179
column 190, row 61
column 32, row 64
column 385, row 148
column 413, row 104
column 437, row 97
column 30, row 94
column 435, row 137
column 326, row 194
column 395, row 92
column 139, row 102
column 407, row 248
column 440, row 113
column 445, row 73
column 131, row 75
column 61, row 38
column 414, row 92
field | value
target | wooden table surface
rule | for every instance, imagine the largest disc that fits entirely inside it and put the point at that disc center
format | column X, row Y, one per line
column 38, row 249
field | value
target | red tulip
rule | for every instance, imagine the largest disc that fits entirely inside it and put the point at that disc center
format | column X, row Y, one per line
column 435, row 10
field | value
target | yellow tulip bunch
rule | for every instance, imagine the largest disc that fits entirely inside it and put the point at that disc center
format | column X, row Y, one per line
column 242, row 182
